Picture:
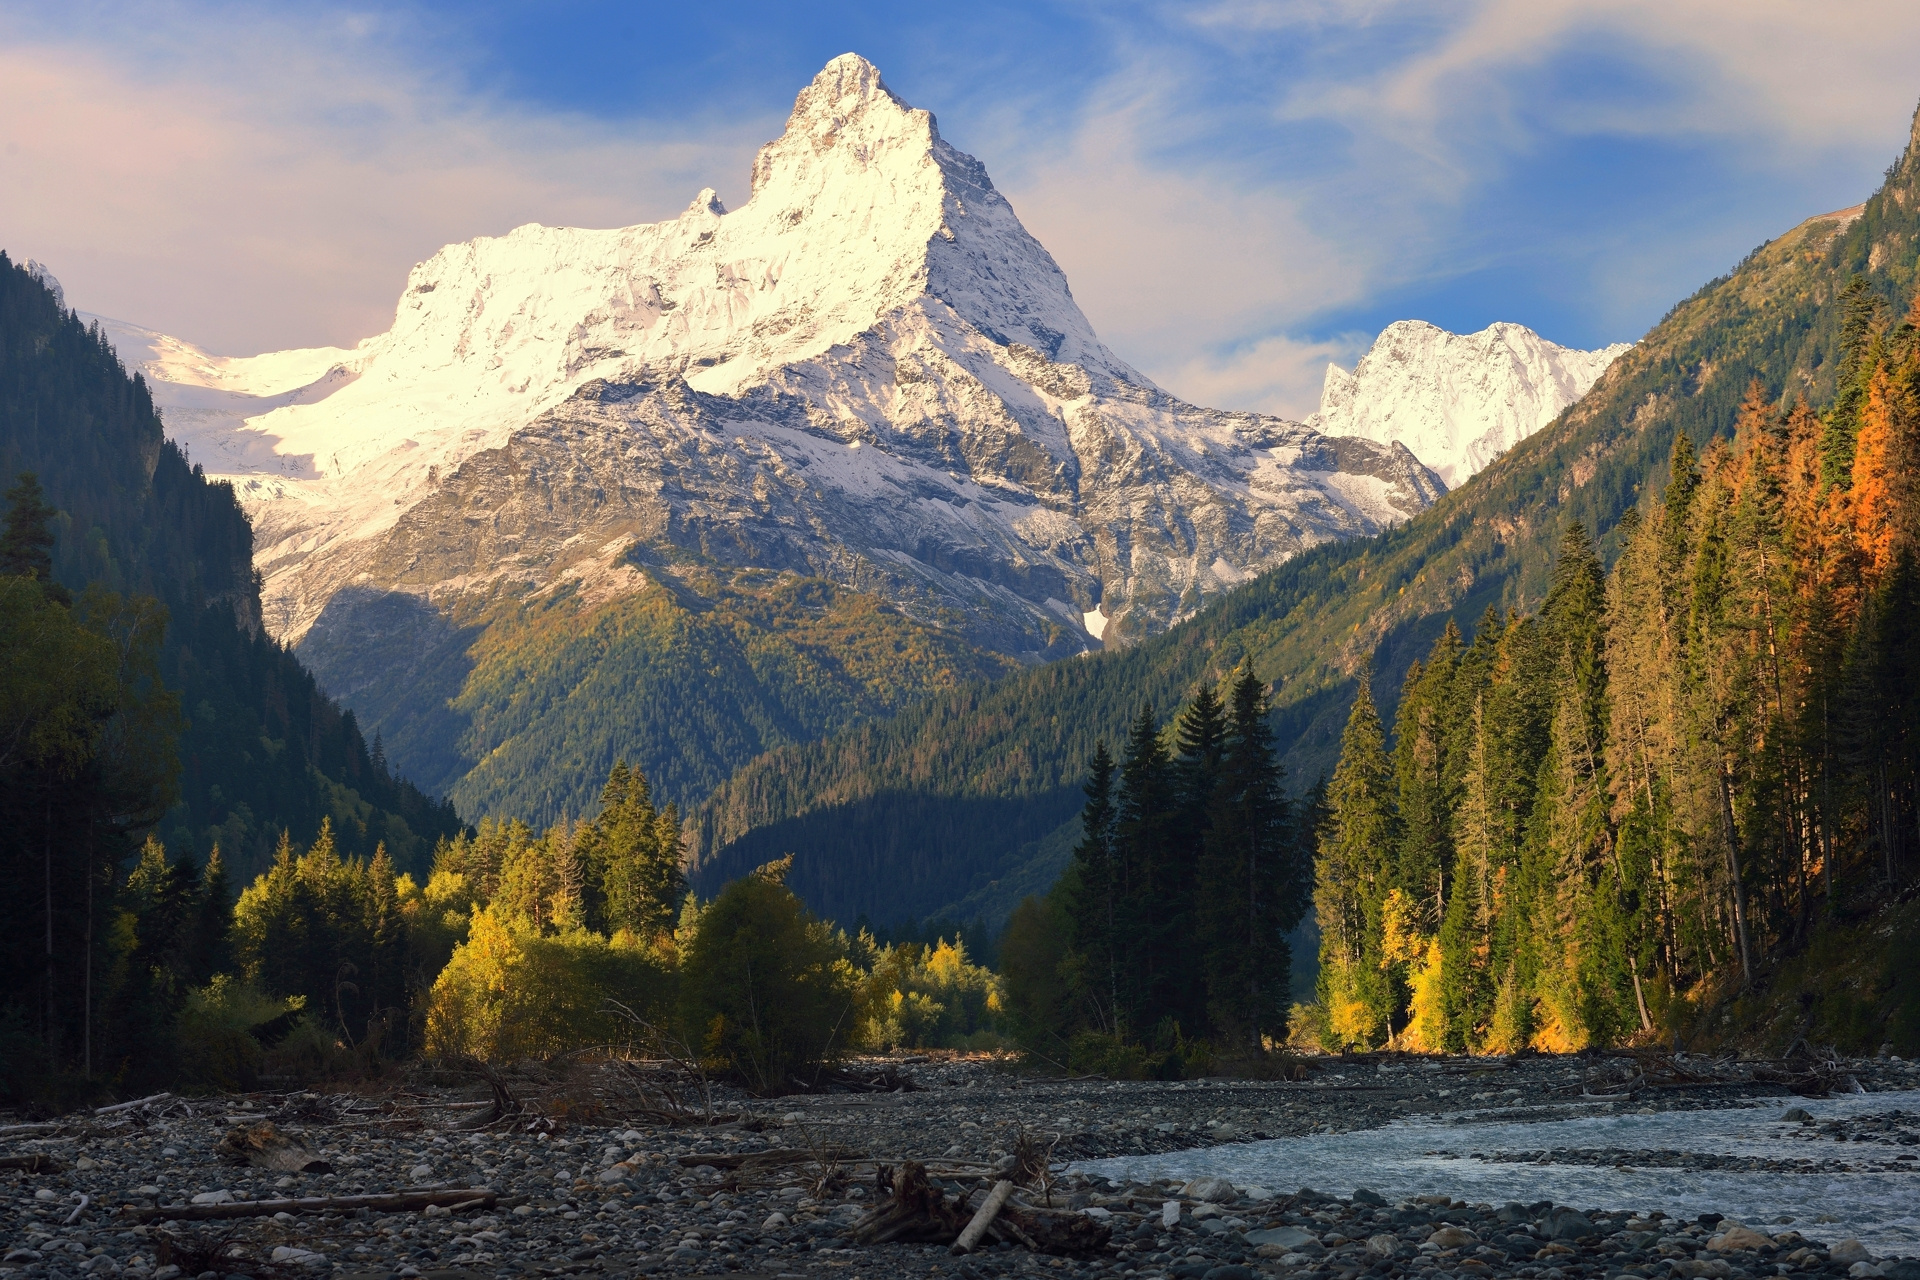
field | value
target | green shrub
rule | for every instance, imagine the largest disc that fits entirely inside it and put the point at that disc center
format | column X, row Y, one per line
column 766, row 991
column 215, row 1042
column 510, row 992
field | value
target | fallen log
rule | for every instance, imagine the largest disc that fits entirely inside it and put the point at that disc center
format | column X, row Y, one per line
column 264, row 1147
column 129, row 1106
column 37, row 1163
column 401, row 1201
column 767, row 1159
column 915, row 1210
column 989, row 1210
column 1052, row 1231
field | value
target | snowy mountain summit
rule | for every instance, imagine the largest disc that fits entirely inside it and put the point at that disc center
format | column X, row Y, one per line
column 1458, row 401
column 869, row 372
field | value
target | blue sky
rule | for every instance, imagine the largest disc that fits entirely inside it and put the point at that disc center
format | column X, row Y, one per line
column 1238, row 190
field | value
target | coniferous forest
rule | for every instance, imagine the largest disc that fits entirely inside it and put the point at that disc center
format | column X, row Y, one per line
column 1668, row 775
column 1170, row 925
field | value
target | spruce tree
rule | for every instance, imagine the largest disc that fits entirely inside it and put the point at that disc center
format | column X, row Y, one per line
column 1254, row 877
column 1094, row 902
column 1426, row 793
column 1356, row 852
column 26, row 545
column 1143, row 839
column 1200, row 736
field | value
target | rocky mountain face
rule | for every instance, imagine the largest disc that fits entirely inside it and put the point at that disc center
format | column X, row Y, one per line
column 869, row 375
column 1458, row 401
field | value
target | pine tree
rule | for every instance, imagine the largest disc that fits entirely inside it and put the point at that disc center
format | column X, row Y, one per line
column 1094, row 903
column 1356, row 850
column 1143, row 844
column 26, row 546
column 1254, row 877
column 1200, row 735
column 1426, row 794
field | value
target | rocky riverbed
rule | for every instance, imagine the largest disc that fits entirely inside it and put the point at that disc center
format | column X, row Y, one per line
column 588, row 1184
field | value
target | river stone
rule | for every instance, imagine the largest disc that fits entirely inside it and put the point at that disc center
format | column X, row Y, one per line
column 1453, row 1238
column 1290, row 1239
column 1799, row 1114
column 1170, row 1214
column 1568, row 1224
column 1849, row 1251
column 1209, row 1190
column 1384, row 1245
column 1737, row 1238
column 1863, row 1270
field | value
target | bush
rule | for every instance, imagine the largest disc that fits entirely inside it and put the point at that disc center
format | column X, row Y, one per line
column 216, row 1040
column 767, row 992
column 510, row 992
column 930, row 998
column 1039, row 990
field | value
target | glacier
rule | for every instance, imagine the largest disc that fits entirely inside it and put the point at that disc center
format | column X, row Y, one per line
column 1457, row 401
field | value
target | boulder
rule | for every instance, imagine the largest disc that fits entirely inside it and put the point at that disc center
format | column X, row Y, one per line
column 1210, row 1190
column 1453, row 1238
column 1384, row 1245
column 1738, row 1239
column 1849, row 1251
column 1289, row 1239
column 1568, row 1224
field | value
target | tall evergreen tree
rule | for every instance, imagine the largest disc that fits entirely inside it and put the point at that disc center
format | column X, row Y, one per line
column 1356, row 851
column 1144, row 845
column 1254, row 877
column 1094, row 906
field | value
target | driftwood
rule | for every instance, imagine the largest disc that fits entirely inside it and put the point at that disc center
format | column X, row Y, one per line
column 264, row 1147
column 36, row 1163
column 983, row 1218
column 502, row 1104
column 916, row 1211
column 753, row 1161
column 129, row 1106
column 883, row 1079
column 402, row 1201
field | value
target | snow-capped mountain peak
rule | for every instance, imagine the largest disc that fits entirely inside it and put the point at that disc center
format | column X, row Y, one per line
column 868, row 371
column 1458, row 401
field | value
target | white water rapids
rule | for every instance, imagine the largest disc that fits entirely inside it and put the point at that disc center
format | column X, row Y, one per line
column 1875, row 1198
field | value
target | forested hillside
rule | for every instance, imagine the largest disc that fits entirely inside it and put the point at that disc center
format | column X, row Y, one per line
column 261, row 748
column 511, row 703
column 1670, row 776
column 959, row 805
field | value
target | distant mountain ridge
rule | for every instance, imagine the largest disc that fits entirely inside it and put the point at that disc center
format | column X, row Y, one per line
column 532, row 494
column 1458, row 401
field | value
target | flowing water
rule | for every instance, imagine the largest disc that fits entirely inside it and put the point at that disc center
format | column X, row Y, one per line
column 1828, row 1188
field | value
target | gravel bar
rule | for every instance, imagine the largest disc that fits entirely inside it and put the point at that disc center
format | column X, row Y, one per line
column 774, row 1191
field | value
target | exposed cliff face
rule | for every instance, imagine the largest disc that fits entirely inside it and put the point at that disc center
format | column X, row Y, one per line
column 869, row 373
column 1458, row 401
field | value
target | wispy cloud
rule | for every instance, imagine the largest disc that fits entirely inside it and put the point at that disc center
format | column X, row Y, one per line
column 1234, row 191
column 1279, row 374
column 270, row 184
